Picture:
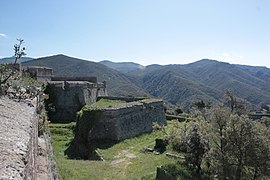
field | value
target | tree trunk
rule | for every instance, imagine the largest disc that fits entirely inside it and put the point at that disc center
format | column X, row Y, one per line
column 255, row 174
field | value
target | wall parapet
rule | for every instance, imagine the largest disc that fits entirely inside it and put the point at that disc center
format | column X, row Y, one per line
column 122, row 98
column 18, row 139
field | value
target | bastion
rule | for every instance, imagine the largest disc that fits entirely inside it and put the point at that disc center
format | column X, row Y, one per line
column 115, row 123
column 68, row 95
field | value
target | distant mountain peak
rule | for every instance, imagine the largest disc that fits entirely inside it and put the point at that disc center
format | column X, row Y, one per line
column 12, row 59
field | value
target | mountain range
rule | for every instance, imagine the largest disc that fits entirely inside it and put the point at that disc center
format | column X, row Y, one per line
column 123, row 67
column 178, row 84
column 12, row 59
column 118, row 83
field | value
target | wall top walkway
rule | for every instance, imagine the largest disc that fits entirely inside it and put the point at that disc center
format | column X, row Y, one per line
column 16, row 122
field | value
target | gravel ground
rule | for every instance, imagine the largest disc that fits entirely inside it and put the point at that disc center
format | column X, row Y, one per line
column 15, row 130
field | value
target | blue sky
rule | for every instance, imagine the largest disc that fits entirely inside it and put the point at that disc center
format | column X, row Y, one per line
column 143, row 31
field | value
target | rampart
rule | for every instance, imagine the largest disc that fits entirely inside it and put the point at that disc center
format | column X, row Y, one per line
column 127, row 99
column 68, row 97
column 115, row 123
column 20, row 145
column 18, row 140
column 77, row 78
column 39, row 72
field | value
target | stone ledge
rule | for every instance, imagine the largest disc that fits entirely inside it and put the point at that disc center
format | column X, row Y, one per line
column 17, row 143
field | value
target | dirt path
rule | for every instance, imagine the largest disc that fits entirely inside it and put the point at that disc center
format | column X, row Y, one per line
column 123, row 158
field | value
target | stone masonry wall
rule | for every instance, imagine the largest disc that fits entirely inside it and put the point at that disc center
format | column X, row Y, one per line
column 128, row 120
column 68, row 97
column 113, row 124
column 18, row 140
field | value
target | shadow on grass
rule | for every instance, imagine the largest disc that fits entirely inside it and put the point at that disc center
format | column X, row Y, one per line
column 87, row 149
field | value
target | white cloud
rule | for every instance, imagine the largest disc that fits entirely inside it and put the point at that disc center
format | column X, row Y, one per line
column 3, row 35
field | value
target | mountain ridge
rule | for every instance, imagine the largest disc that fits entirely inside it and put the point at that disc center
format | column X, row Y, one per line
column 179, row 84
column 205, row 78
column 62, row 65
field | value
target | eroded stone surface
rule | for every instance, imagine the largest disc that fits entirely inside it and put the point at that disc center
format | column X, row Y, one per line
column 15, row 134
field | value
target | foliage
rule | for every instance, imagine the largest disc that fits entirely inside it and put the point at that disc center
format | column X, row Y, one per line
column 175, row 135
column 265, row 120
column 197, row 146
column 13, row 83
column 180, row 171
column 236, row 104
column 226, row 142
column 240, row 148
column 6, row 72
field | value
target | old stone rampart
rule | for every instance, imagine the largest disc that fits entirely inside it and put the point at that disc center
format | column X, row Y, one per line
column 39, row 72
column 115, row 123
column 128, row 120
column 18, row 140
column 127, row 99
column 66, row 98
column 77, row 78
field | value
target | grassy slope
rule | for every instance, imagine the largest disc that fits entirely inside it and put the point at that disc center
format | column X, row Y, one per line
column 106, row 103
column 124, row 160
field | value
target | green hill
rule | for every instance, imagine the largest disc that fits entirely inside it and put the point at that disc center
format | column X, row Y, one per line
column 12, row 59
column 179, row 84
column 118, row 84
column 123, row 67
column 206, row 80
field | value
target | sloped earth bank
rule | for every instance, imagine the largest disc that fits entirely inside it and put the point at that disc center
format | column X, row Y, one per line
column 19, row 142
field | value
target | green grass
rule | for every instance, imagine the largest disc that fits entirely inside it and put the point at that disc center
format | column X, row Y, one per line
column 124, row 160
column 106, row 103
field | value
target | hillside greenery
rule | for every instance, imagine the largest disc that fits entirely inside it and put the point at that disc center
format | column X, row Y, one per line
column 124, row 67
column 205, row 80
column 117, row 83
column 106, row 103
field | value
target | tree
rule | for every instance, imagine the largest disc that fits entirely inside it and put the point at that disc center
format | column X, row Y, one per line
column 219, row 117
column 259, row 151
column 197, row 146
column 240, row 146
column 236, row 104
column 6, row 72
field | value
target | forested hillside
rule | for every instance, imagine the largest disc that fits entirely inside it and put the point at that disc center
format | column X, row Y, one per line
column 204, row 80
column 118, row 83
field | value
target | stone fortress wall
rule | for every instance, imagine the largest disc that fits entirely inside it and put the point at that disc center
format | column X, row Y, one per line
column 115, row 123
column 67, row 97
column 20, row 146
column 41, row 73
column 18, row 140
column 127, row 120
